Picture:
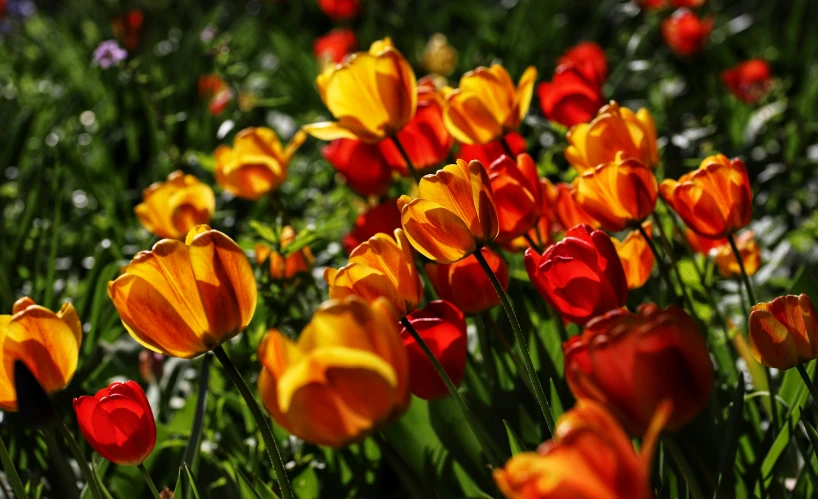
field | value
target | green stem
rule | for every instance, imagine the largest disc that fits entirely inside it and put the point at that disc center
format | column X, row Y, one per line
column 81, row 462
column 525, row 355
column 11, row 472
column 198, row 418
column 660, row 261
column 406, row 158
column 63, row 469
column 476, row 427
column 810, row 386
column 264, row 428
column 669, row 252
column 684, row 467
column 744, row 276
column 149, row 480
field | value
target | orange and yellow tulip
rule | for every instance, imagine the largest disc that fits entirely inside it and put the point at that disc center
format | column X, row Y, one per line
column 750, row 253
column 454, row 214
column 715, row 200
column 614, row 134
column 345, row 377
column 47, row 343
column 256, row 164
column 619, row 194
column 518, row 195
column 487, row 106
column 784, row 332
column 636, row 257
column 379, row 267
column 184, row 299
column 282, row 268
column 371, row 94
column 170, row 209
column 590, row 457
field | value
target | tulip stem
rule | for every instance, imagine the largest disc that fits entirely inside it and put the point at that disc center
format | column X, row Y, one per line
column 409, row 163
column 530, row 240
column 81, row 462
column 507, row 148
column 149, row 480
column 525, row 355
column 476, row 428
column 660, row 261
column 810, row 386
column 669, row 251
column 11, row 472
column 744, row 276
column 264, row 428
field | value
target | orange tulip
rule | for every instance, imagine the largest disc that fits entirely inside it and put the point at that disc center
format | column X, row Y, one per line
column 372, row 95
column 454, row 214
column 750, row 256
column 256, row 164
column 713, row 201
column 184, row 299
column 634, row 363
column 784, row 332
column 636, row 257
column 170, row 209
column 619, row 194
column 486, row 106
column 703, row 245
column 465, row 284
column 614, row 131
column 379, row 267
column 47, row 343
column 281, row 267
column 517, row 195
column 345, row 377
column 567, row 212
column 590, row 457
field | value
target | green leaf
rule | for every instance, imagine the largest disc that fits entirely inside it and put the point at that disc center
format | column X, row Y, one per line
column 556, row 404
column 245, row 486
column 514, row 442
column 732, row 430
column 193, row 486
column 811, row 433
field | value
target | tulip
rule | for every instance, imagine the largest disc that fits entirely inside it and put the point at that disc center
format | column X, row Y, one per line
column 589, row 457
column 784, row 332
column 425, row 138
column 587, row 53
column 215, row 91
column 633, row 363
column 282, row 268
column 340, row 10
column 486, row 106
column 619, row 194
column 184, row 299
column 547, row 223
column 489, row 153
column 438, row 56
column 345, row 377
column 373, row 95
column 466, row 285
column 47, row 343
column 381, row 267
column 660, row 4
column 713, row 201
column 384, row 217
column 334, row 46
column 518, row 195
column 685, row 33
column 454, row 214
column 636, row 257
column 362, row 165
column 614, row 134
column 703, row 245
column 128, row 28
column 581, row 276
column 567, row 212
column 573, row 96
column 256, row 164
column 750, row 256
column 748, row 81
column 443, row 328
column 118, row 423
column 170, row 209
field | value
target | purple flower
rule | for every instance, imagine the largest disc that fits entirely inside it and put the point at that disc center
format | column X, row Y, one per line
column 109, row 53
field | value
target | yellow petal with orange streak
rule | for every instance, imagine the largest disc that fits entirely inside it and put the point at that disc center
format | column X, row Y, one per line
column 436, row 232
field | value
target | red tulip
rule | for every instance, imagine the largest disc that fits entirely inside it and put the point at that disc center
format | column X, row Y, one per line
column 517, row 195
column 748, row 81
column 128, row 28
column 340, row 9
column 335, row 45
column 384, row 217
column 443, row 328
column 118, row 423
column 214, row 90
column 465, row 284
column 587, row 53
column 580, row 276
column 491, row 152
column 685, row 33
column 361, row 164
column 573, row 95
column 567, row 211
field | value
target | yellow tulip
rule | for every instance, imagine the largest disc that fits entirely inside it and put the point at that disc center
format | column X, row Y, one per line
column 487, row 106
column 184, row 299
column 170, row 209
column 379, row 267
column 454, row 214
column 636, row 256
column 345, row 377
column 256, row 164
column 47, row 343
column 371, row 94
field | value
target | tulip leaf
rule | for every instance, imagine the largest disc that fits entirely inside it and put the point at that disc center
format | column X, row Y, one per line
column 556, row 403
column 514, row 442
column 192, row 481
column 246, row 486
column 732, row 431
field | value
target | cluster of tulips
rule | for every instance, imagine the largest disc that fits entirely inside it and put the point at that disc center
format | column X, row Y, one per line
column 377, row 341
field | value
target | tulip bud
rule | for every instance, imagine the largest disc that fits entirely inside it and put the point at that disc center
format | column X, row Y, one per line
column 636, row 256
column 685, row 33
column 572, row 96
column 465, row 283
column 33, row 402
column 170, row 209
column 749, row 81
column 784, row 332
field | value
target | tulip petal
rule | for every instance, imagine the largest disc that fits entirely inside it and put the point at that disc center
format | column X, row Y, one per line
column 329, row 130
column 436, row 232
